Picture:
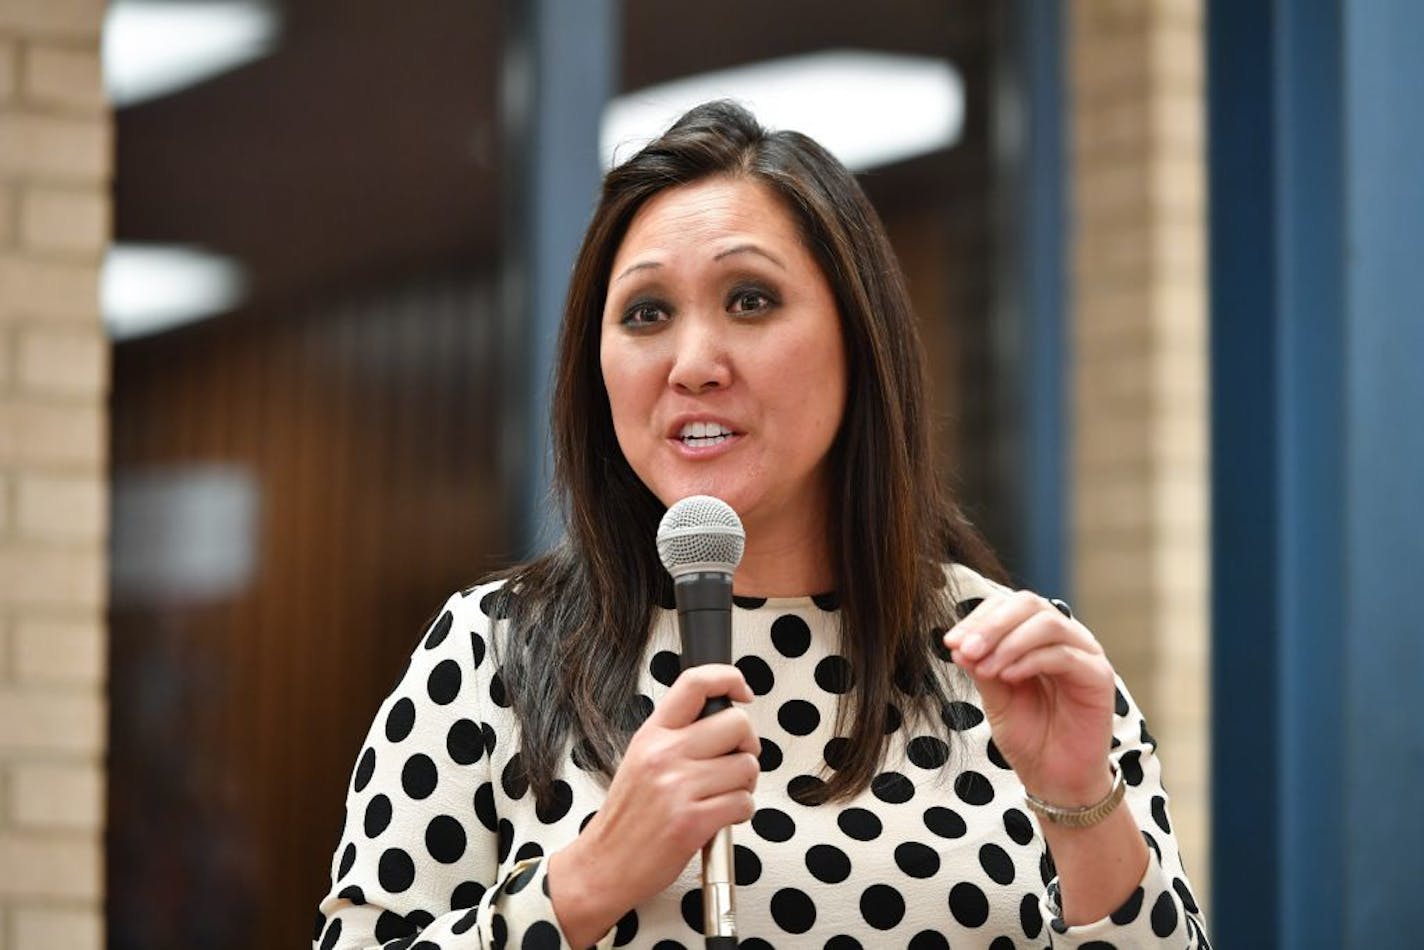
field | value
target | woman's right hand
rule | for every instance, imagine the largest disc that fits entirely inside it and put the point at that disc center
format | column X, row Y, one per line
column 681, row 780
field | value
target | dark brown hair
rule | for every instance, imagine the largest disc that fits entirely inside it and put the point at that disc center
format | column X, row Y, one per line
column 581, row 614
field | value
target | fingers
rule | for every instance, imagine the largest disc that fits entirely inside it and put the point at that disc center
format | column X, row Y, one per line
column 726, row 731
column 1000, row 631
column 1061, row 660
column 1042, row 629
column 693, row 687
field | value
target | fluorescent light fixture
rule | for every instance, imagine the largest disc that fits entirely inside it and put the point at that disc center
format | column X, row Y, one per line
column 868, row 109
column 153, row 48
column 147, row 288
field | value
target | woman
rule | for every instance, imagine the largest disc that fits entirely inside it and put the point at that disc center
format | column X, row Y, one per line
column 737, row 326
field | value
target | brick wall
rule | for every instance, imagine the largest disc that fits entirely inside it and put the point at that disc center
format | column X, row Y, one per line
column 1140, row 470
column 55, row 158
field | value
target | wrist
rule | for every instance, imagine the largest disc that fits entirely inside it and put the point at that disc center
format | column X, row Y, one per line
column 1078, row 792
column 583, row 905
column 1082, row 810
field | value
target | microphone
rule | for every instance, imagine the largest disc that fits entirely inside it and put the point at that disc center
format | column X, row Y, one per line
column 700, row 542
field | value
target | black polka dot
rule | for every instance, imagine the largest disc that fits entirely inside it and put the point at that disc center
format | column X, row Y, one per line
column 637, row 711
column 937, row 643
column 626, row 929
column 792, row 910
column 859, row 824
column 320, row 925
column 527, row 850
column 928, row 752
column 968, row 904
column 491, row 739
column 882, row 906
column 1164, row 915
column 498, row 695
column 464, row 743
column 333, row 934
column 770, row 757
column 757, row 674
column 348, row 860
column 665, row 667
column 392, row 926
column 828, row 601
column 445, row 839
column 691, row 906
column 484, row 806
column 467, row 895
column 1159, row 813
column 827, row 863
column 1001, row 943
column 1146, row 737
column 945, row 822
column 1152, row 843
column 541, row 935
column 996, row 863
column 504, row 841
column 1096, row 945
column 838, row 942
column 960, row 716
column 917, row 860
column 586, row 819
column 467, row 922
column 1119, row 702
column 746, row 865
column 791, row 637
column 378, row 816
column 1130, row 908
column 420, row 918
column 798, row 717
column 354, row 894
column 966, row 607
column 837, row 752
column 1018, row 826
column 514, row 780
column 499, row 930
column 1046, row 871
column 909, row 682
column 558, row 805
column 400, row 720
column 834, row 675
column 1185, row 893
column 973, row 788
column 439, row 630
column 892, row 788
column 365, row 768
column 997, row 757
column 893, row 718
column 1131, row 767
column 419, row 776
column 806, row 789
column 748, row 603
column 668, row 945
column 929, row 940
column 582, row 755
column 495, row 604
column 396, row 871
column 521, row 879
column 477, row 649
column 1030, row 917
column 444, row 683
column 773, row 824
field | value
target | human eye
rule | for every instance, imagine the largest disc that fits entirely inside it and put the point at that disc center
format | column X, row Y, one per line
column 750, row 300
column 643, row 313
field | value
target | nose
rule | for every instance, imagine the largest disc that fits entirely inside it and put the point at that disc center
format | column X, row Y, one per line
column 700, row 358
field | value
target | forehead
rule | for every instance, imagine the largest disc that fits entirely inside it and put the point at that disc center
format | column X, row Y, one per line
column 720, row 209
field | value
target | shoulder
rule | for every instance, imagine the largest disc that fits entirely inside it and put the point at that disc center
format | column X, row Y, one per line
column 965, row 585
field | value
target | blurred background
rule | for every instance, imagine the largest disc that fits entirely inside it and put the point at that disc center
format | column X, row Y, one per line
column 279, row 282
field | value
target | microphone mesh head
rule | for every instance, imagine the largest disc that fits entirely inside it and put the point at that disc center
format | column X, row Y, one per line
column 701, row 533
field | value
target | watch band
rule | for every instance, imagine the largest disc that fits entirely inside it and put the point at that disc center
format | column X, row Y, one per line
column 1083, row 816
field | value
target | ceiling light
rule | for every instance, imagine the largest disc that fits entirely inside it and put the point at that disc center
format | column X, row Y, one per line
column 147, row 288
column 867, row 109
column 153, row 48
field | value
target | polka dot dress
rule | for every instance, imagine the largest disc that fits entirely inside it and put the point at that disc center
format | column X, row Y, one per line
column 443, row 843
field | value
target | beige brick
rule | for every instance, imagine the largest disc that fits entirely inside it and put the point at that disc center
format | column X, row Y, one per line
column 50, row 721
column 7, row 356
column 52, row 148
column 51, row 866
column 62, row 507
column 49, row 289
column 31, row 575
column 68, row 77
column 57, row 361
column 66, row 221
column 9, row 226
column 9, row 68
column 49, row 651
column 41, row 433
column 47, row 929
column 57, row 796
column 61, row 18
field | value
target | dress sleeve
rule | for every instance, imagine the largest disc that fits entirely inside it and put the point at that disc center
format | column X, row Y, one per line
column 1161, row 912
column 418, row 866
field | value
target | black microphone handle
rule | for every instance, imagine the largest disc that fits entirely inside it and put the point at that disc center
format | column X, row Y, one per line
column 704, row 619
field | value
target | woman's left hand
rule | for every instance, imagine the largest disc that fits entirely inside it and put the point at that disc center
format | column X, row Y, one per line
column 1048, row 694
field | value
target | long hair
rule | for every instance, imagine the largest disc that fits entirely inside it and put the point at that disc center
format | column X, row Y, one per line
column 581, row 615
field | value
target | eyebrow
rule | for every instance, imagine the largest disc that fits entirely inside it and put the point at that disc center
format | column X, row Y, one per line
column 739, row 249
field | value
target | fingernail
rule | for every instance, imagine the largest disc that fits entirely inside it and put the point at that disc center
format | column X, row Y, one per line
column 973, row 646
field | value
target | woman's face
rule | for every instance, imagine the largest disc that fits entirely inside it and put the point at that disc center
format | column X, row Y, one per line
column 721, row 353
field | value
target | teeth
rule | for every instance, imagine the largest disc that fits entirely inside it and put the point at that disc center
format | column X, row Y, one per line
column 703, row 430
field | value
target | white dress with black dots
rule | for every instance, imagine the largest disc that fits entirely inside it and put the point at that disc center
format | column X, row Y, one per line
column 443, row 843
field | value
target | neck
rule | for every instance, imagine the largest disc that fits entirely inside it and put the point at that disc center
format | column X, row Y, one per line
column 786, row 561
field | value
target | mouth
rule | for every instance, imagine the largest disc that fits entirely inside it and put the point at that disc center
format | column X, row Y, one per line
column 697, row 435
